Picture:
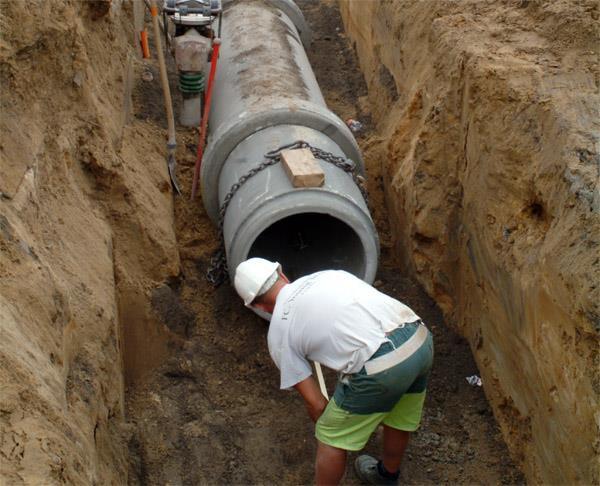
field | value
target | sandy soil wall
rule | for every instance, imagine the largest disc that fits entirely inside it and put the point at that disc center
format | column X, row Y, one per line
column 489, row 120
column 86, row 231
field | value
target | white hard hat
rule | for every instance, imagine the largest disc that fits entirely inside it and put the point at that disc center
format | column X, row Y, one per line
column 254, row 277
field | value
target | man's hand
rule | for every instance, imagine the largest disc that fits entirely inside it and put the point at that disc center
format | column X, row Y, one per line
column 313, row 398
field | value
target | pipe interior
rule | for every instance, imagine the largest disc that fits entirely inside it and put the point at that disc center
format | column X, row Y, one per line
column 309, row 242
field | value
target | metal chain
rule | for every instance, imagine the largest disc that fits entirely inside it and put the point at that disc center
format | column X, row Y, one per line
column 217, row 271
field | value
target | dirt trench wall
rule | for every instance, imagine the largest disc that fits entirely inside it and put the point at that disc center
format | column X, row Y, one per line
column 85, row 234
column 489, row 113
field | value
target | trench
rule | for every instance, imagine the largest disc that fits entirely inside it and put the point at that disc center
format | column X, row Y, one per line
column 213, row 413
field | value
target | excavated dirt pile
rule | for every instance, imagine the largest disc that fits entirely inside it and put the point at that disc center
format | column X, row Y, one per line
column 488, row 113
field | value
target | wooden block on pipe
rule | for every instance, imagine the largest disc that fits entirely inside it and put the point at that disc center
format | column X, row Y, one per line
column 302, row 168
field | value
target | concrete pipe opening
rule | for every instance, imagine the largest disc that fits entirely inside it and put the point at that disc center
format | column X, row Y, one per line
column 309, row 242
column 306, row 230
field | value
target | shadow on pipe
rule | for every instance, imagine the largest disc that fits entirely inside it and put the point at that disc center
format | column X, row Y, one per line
column 303, row 244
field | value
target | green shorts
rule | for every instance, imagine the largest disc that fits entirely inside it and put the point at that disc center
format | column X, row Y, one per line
column 394, row 397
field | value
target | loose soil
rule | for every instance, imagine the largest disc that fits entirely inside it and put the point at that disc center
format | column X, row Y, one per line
column 489, row 117
column 213, row 412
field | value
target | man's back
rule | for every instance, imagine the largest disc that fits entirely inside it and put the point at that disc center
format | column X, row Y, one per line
column 331, row 317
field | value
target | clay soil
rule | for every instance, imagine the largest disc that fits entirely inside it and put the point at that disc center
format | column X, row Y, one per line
column 213, row 412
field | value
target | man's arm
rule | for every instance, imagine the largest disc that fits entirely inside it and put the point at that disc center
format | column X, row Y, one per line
column 313, row 398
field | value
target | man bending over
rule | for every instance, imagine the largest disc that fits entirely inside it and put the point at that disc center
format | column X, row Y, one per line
column 381, row 349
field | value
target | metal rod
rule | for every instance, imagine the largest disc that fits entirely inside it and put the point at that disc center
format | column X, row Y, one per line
column 171, row 141
column 165, row 26
column 204, row 122
column 321, row 379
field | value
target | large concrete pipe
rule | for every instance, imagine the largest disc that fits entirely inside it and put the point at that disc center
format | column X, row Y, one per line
column 266, row 96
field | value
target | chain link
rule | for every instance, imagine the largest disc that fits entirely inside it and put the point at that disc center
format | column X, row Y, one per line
column 217, row 271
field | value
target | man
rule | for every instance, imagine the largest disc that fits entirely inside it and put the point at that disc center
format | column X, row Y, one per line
column 379, row 346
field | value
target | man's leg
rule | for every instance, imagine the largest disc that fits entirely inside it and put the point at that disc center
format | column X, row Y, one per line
column 394, row 445
column 338, row 431
column 330, row 464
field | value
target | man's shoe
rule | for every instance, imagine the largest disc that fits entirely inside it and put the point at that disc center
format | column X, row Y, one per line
column 367, row 470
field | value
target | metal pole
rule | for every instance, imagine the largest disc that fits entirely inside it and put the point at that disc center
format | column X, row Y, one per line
column 204, row 123
column 321, row 379
column 171, row 141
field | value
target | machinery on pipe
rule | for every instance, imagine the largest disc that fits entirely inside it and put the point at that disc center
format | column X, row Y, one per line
column 190, row 26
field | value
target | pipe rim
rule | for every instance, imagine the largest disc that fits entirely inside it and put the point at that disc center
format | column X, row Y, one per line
column 232, row 132
column 289, row 8
column 277, row 208
column 293, row 12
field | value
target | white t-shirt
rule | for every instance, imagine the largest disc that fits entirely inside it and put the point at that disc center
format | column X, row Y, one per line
column 331, row 317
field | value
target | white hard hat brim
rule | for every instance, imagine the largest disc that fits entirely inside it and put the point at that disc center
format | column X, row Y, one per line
column 250, row 298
